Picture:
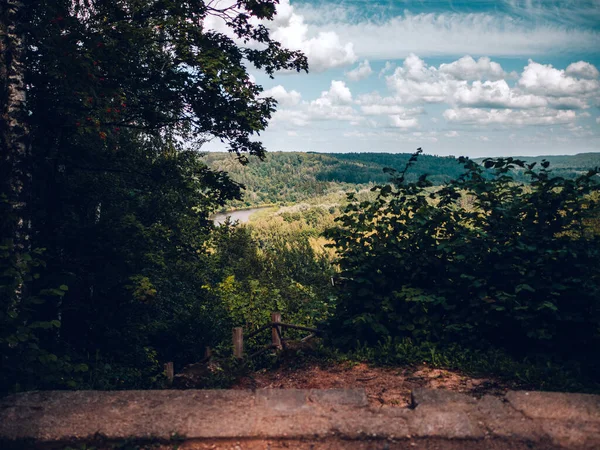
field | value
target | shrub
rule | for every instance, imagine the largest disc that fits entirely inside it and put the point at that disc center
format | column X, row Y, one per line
column 481, row 261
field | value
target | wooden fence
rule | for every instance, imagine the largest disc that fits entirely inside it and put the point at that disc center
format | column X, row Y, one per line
column 278, row 342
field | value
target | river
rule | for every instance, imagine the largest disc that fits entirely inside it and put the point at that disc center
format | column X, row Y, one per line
column 241, row 215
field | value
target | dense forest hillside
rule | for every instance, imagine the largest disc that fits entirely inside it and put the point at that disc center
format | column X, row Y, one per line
column 291, row 177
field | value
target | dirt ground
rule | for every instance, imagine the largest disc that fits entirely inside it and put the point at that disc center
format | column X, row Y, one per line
column 384, row 386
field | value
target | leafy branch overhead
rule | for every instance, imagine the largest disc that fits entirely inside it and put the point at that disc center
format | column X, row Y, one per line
column 155, row 66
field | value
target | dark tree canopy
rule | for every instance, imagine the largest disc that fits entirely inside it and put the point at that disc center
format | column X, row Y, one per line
column 105, row 202
column 98, row 67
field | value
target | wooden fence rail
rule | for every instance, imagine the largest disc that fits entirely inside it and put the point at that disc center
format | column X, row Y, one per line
column 277, row 341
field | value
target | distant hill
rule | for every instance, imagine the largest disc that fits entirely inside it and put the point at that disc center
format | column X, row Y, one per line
column 568, row 166
column 579, row 162
column 291, row 177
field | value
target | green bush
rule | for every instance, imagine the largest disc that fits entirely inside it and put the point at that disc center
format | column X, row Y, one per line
column 483, row 261
column 258, row 272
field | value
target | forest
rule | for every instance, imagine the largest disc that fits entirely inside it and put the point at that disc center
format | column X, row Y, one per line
column 110, row 263
column 289, row 177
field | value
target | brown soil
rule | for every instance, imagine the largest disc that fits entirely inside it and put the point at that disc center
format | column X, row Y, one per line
column 384, row 386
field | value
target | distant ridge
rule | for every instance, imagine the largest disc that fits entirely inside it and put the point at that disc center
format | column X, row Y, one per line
column 577, row 161
column 296, row 176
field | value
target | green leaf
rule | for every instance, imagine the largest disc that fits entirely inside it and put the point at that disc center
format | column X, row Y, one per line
column 81, row 368
column 548, row 305
column 524, row 287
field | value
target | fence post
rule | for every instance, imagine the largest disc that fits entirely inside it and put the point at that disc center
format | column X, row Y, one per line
column 238, row 342
column 169, row 371
column 276, row 331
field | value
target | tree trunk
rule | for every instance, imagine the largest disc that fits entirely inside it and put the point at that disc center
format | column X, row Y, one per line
column 15, row 175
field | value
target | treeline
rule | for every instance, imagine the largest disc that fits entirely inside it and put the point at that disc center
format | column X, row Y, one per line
column 567, row 166
column 571, row 164
column 109, row 262
column 292, row 177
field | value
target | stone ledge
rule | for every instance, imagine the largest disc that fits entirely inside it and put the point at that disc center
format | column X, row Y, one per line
column 542, row 420
column 556, row 405
column 438, row 397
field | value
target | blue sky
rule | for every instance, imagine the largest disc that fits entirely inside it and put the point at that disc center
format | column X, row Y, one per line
column 476, row 78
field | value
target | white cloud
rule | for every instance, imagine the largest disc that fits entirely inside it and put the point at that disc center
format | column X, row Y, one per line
column 567, row 102
column 400, row 122
column 297, row 118
column 323, row 48
column 333, row 104
column 466, row 68
column 318, row 110
column 570, row 13
column 347, row 114
column 415, row 81
column 478, row 93
column 540, row 116
column 362, row 72
column 338, row 94
column 582, row 69
column 283, row 97
column 374, row 105
column 454, row 83
column 388, row 67
column 597, row 119
column 494, row 94
column 428, row 34
column 355, row 134
column 383, row 109
column 544, row 79
column 580, row 131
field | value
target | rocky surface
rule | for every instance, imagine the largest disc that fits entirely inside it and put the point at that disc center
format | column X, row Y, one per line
column 436, row 418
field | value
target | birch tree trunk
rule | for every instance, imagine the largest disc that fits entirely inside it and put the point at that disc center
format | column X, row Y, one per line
column 15, row 176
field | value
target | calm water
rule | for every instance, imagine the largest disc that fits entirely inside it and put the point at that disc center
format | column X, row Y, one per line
column 243, row 215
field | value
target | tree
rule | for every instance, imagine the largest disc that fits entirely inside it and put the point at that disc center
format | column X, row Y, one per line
column 14, row 133
column 119, row 97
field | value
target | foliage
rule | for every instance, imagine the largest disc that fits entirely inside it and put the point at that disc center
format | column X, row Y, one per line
column 120, row 95
column 513, row 267
column 277, row 273
column 27, row 360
